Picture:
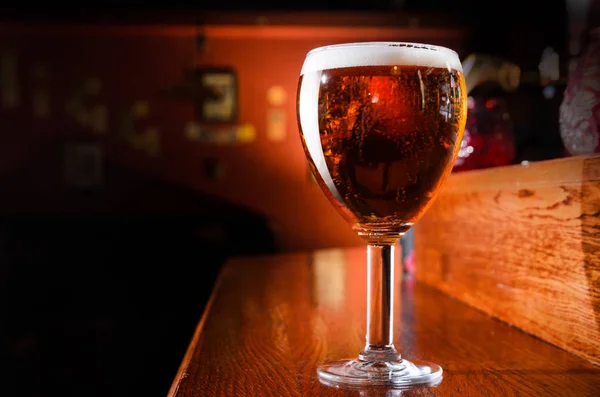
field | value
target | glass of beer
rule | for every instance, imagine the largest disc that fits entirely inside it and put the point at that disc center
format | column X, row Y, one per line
column 381, row 124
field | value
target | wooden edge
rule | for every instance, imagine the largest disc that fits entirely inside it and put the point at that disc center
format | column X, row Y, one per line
column 185, row 362
column 566, row 171
column 521, row 243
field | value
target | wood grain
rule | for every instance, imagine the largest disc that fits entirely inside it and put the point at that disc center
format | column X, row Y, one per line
column 273, row 320
column 521, row 243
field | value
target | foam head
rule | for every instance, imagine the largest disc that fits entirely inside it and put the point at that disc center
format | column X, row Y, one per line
column 380, row 54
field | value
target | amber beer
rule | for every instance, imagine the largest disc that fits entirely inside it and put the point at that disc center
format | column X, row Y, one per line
column 382, row 130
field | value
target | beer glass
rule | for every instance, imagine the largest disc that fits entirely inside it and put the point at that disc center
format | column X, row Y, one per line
column 381, row 124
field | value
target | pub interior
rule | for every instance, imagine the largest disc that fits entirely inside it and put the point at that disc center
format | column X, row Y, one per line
column 144, row 145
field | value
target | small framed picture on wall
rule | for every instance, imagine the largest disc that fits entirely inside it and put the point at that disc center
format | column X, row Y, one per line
column 219, row 99
column 213, row 91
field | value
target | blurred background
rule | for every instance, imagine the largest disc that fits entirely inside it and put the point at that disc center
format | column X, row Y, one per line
column 143, row 145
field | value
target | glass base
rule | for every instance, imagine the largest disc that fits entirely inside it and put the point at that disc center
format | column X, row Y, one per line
column 402, row 374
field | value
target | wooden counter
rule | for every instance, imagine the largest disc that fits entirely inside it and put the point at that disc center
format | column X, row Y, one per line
column 272, row 320
column 521, row 243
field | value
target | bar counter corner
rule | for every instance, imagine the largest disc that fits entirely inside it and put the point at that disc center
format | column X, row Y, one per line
column 272, row 320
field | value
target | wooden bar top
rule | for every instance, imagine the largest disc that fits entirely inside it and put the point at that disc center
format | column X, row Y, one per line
column 521, row 243
column 272, row 320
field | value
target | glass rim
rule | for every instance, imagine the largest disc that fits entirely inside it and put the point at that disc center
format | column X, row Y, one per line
column 385, row 44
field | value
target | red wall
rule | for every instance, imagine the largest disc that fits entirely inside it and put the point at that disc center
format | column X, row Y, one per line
column 136, row 63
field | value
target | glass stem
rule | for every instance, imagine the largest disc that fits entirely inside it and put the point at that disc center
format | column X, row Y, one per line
column 380, row 304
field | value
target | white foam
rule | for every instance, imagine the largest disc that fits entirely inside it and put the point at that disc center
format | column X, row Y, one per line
column 380, row 54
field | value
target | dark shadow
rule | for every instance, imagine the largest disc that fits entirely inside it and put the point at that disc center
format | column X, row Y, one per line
column 102, row 289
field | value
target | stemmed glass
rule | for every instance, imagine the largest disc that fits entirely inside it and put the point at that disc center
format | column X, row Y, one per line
column 381, row 124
